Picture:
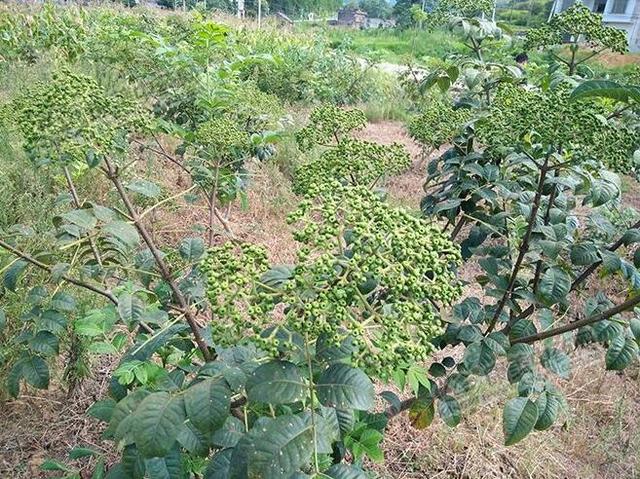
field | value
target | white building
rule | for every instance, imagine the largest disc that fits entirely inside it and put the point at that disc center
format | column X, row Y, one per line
column 623, row 14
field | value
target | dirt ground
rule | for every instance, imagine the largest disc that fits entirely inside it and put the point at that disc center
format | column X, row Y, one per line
column 597, row 437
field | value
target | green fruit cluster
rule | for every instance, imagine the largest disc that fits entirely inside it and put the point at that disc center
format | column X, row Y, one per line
column 372, row 272
column 254, row 109
column 71, row 117
column 365, row 271
column 327, row 124
column 352, row 162
column 552, row 119
column 465, row 8
column 577, row 21
column 220, row 150
column 221, row 135
column 445, row 10
column 238, row 308
column 438, row 123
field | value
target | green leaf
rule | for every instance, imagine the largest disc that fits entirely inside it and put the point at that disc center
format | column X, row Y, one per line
column 99, row 471
column 459, row 383
column 13, row 379
column 12, row 275
column 550, row 248
column 278, row 448
column 392, row 398
column 3, row 320
column 78, row 452
column 167, row 467
column 103, row 409
column 117, row 471
column 469, row 333
column 449, row 410
column 63, row 302
column 416, row 376
column 346, row 420
column 97, row 322
column 331, row 353
column 53, row 465
column 82, row 218
column 133, row 463
column 37, row 295
column 123, row 232
column 327, row 429
column 218, row 467
column 601, row 192
column 122, row 417
column 277, row 276
column 519, row 418
column 103, row 213
column 437, row 370
column 480, row 358
column 44, row 343
column 344, row 387
column 144, row 188
column 606, row 89
column 365, row 442
column 584, row 254
column 207, row 404
column 191, row 249
column 156, row 423
column 344, row 471
column 102, row 347
column 556, row 361
column 52, row 321
column 35, row 371
column 620, row 353
column 554, row 285
column 548, row 406
column 631, row 236
column 422, row 412
column 229, row 434
column 130, row 308
column 277, row 382
column 634, row 325
column 193, row 440
column 143, row 350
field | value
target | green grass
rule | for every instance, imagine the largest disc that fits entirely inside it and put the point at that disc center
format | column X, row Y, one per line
column 393, row 45
column 428, row 48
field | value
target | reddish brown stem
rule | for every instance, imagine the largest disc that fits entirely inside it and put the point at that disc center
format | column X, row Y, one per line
column 112, row 174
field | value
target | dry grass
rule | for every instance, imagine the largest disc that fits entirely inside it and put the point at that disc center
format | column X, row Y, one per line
column 612, row 59
column 42, row 425
column 597, row 437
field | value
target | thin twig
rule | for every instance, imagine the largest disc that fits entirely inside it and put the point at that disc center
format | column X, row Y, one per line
column 68, row 279
column 627, row 305
column 112, row 174
column 524, row 248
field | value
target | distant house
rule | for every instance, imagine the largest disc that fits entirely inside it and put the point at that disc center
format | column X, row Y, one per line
column 623, row 14
column 352, row 17
column 380, row 23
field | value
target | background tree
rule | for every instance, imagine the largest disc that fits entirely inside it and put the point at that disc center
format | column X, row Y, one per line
column 402, row 12
column 376, row 8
